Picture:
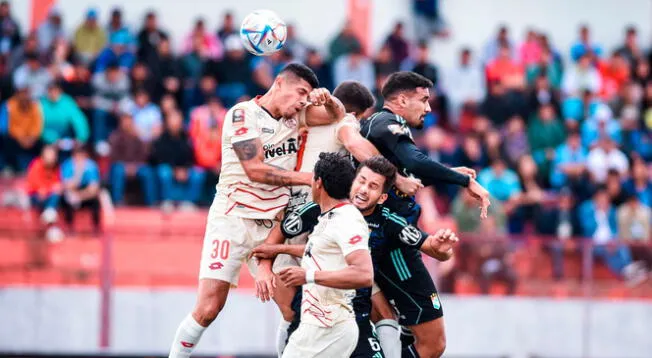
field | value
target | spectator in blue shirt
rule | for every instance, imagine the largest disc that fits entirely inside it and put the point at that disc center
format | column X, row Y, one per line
column 81, row 183
column 639, row 184
column 118, row 51
column 146, row 115
column 585, row 45
column 569, row 163
column 598, row 221
column 501, row 182
column 599, row 125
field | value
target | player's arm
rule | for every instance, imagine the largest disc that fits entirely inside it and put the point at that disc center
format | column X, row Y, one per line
column 250, row 154
column 362, row 149
column 358, row 273
column 438, row 246
column 324, row 109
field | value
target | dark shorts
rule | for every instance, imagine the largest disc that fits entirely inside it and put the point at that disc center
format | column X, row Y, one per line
column 368, row 344
column 413, row 295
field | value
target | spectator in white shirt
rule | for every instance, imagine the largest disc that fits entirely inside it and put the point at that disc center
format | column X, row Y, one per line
column 464, row 84
column 606, row 156
column 581, row 77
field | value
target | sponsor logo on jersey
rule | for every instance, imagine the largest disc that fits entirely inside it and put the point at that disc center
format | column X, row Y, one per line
column 267, row 130
column 297, row 199
column 215, row 266
column 354, row 240
column 241, row 131
column 290, row 123
column 373, row 225
column 435, row 301
column 238, row 116
column 286, row 148
column 410, row 235
column 293, row 224
column 187, row 344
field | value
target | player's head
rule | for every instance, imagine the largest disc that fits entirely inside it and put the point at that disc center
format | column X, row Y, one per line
column 375, row 176
column 333, row 176
column 406, row 94
column 291, row 88
column 355, row 97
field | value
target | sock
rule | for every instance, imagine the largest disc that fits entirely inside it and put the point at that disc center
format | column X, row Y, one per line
column 389, row 337
column 409, row 352
column 282, row 336
column 186, row 338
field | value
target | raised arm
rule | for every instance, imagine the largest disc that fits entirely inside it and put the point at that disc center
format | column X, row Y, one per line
column 250, row 154
column 324, row 109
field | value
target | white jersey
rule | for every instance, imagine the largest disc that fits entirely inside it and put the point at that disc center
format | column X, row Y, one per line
column 236, row 194
column 339, row 232
column 318, row 139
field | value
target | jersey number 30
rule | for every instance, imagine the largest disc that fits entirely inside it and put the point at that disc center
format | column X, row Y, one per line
column 221, row 250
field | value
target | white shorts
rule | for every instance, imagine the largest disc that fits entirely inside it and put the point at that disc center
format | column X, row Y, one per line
column 228, row 241
column 312, row 341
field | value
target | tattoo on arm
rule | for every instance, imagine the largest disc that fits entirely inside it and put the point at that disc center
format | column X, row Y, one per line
column 278, row 176
column 247, row 149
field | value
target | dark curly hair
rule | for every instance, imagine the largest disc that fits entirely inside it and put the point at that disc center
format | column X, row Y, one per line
column 336, row 173
column 354, row 96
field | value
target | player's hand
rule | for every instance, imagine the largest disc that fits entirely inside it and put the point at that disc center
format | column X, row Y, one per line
column 319, row 96
column 264, row 251
column 482, row 195
column 293, row 276
column 408, row 185
column 265, row 284
column 466, row 171
column 445, row 239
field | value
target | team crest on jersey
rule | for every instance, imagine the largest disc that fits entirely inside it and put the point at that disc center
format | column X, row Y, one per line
column 293, row 224
column 290, row 123
column 238, row 116
column 398, row 129
column 410, row 235
column 435, row 301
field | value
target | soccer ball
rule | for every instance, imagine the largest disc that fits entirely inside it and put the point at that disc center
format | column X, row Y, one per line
column 263, row 32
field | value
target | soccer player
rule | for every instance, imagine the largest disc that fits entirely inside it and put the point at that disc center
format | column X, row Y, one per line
column 340, row 137
column 259, row 146
column 406, row 97
column 389, row 233
column 336, row 261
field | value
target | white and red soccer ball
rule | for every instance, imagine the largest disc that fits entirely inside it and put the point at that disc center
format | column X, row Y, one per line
column 263, row 32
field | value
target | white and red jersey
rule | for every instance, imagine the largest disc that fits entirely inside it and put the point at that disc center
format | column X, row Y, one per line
column 236, row 194
column 312, row 142
column 339, row 232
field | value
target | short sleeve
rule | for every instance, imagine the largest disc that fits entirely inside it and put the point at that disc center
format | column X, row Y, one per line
column 353, row 236
column 300, row 221
column 67, row 170
column 401, row 234
column 348, row 121
column 241, row 125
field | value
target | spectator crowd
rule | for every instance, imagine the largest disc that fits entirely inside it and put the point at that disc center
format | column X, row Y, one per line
column 561, row 138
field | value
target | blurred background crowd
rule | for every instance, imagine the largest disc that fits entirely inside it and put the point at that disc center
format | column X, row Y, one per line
column 561, row 137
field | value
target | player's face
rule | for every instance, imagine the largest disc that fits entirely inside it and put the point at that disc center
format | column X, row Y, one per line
column 293, row 96
column 416, row 107
column 367, row 190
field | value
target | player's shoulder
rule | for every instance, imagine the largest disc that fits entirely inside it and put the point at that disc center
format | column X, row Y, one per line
column 391, row 218
column 397, row 227
column 301, row 220
column 344, row 213
column 383, row 121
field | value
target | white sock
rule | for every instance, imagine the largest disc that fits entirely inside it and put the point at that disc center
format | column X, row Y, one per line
column 282, row 336
column 186, row 338
column 389, row 337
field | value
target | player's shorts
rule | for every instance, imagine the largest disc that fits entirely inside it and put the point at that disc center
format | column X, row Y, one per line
column 310, row 341
column 228, row 241
column 415, row 298
column 368, row 345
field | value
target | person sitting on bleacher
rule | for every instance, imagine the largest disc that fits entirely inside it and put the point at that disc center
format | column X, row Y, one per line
column 81, row 183
column 44, row 189
column 172, row 153
column 129, row 155
column 24, row 119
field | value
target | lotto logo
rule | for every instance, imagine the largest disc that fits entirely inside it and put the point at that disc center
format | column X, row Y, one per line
column 354, row 240
column 242, row 131
column 215, row 266
column 187, row 344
